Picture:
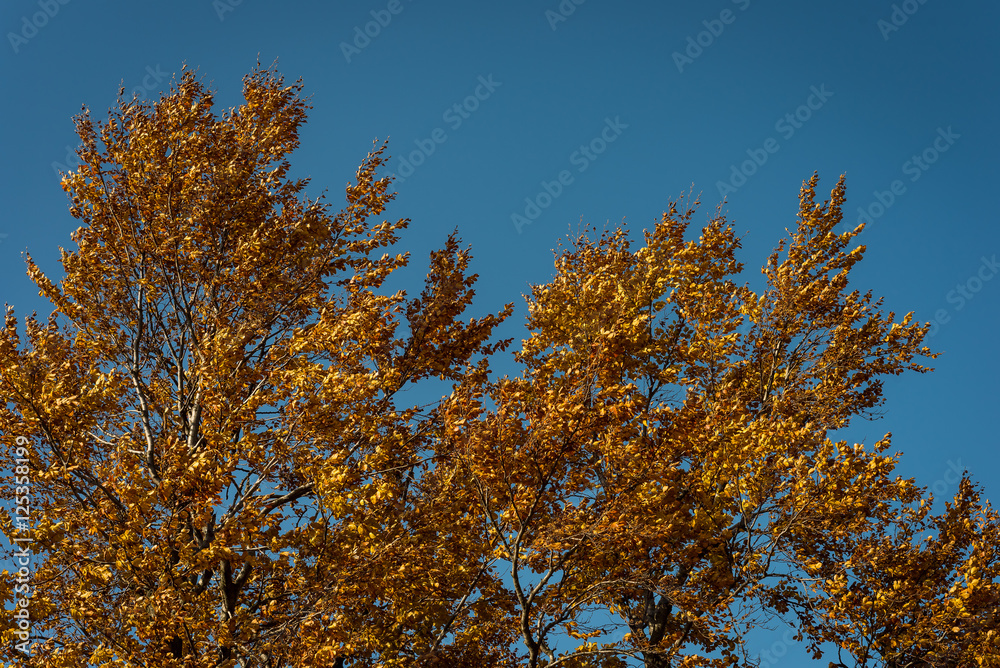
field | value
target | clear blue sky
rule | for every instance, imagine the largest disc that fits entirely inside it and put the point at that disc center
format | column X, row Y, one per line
column 631, row 103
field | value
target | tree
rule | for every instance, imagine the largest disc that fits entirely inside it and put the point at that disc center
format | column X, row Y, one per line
column 223, row 467
column 664, row 458
column 227, row 467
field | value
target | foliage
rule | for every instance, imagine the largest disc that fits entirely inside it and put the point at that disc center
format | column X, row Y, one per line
column 227, row 467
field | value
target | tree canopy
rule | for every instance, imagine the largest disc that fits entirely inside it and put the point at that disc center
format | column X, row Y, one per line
column 226, row 468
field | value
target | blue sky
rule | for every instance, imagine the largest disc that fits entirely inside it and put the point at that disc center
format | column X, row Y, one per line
column 596, row 110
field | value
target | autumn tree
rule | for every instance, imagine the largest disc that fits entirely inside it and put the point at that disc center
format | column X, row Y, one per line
column 228, row 467
column 224, row 468
column 663, row 463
